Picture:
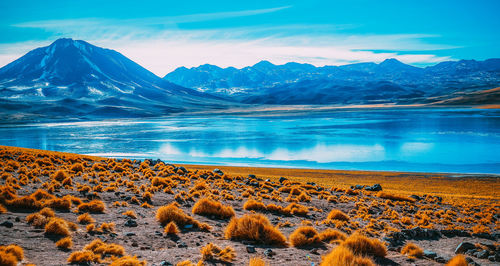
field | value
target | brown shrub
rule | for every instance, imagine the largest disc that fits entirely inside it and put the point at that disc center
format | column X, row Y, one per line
column 254, row 227
column 343, row 256
column 65, row 243
column 77, row 167
column 337, row 215
column 171, row 229
column 412, row 251
column 212, row 252
column 85, row 219
column 458, row 260
column 59, row 203
column 128, row 261
column 83, row 257
column 2, row 209
column 94, row 206
column 99, row 247
column 13, row 250
column 208, row 207
column 256, row 261
column 386, row 195
column 329, row 235
column 26, row 202
column 60, row 175
column 295, row 209
column 305, row 236
column 57, row 226
column 172, row 213
column 131, row 214
column 253, row 205
column 362, row 245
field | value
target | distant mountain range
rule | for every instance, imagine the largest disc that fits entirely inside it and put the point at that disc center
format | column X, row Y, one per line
column 71, row 78
column 391, row 81
column 74, row 79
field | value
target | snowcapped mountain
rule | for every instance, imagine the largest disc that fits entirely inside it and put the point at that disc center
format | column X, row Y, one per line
column 75, row 77
column 390, row 81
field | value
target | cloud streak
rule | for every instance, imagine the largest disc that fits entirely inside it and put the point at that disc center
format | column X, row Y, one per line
column 160, row 45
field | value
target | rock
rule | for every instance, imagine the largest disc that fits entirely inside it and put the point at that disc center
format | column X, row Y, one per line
column 129, row 234
column 282, row 179
column 181, row 244
column 103, row 238
column 158, row 233
column 250, row 249
column 7, row 224
column 165, row 263
column 440, row 259
column 134, row 244
column 269, row 252
column 357, row 187
column 376, row 187
column 314, row 251
column 218, row 171
column 417, row 198
column 463, row 247
column 130, row 223
column 113, row 235
column 430, row 254
column 251, row 176
column 188, row 226
column 491, row 258
column 483, row 254
column 17, row 219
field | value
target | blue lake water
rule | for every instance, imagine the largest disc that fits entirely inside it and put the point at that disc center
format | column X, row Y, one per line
column 420, row 140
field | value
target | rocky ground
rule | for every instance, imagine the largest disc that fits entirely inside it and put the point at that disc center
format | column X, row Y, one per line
column 440, row 228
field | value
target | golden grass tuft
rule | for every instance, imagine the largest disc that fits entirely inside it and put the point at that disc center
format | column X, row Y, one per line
column 412, row 251
column 364, row 246
column 171, row 229
column 2, row 209
column 208, row 207
column 128, row 261
column 94, row 206
column 305, row 236
column 65, row 243
column 83, row 257
column 343, row 256
column 60, row 175
column 254, row 227
column 172, row 213
column 85, row 218
column 253, row 205
column 13, row 250
column 131, row 214
column 329, row 235
column 101, row 248
column 337, row 215
column 256, row 261
column 390, row 196
column 212, row 252
column 458, row 260
column 57, row 226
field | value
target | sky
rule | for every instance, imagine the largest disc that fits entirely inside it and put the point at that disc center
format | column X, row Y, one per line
column 162, row 35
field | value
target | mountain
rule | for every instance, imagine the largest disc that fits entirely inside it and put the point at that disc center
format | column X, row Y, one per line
column 390, row 81
column 74, row 78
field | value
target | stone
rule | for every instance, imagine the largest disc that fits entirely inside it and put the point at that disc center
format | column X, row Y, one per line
column 251, row 176
column 129, row 234
column 134, row 244
column 376, row 187
column 314, row 251
column 181, row 244
column 165, row 263
column 483, row 254
column 130, row 223
column 269, row 252
column 463, row 247
column 7, row 224
column 113, row 235
column 440, row 259
column 491, row 258
column 188, row 226
column 218, row 171
column 417, row 198
column 282, row 179
column 430, row 254
column 250, row 249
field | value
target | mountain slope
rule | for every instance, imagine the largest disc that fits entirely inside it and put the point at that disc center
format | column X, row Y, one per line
column 84, row 79
column 390, row 81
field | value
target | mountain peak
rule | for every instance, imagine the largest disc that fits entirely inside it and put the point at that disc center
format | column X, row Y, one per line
column 264, row 63
column 391, row 61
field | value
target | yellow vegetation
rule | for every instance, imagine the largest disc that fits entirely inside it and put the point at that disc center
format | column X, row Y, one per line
column 254, row 227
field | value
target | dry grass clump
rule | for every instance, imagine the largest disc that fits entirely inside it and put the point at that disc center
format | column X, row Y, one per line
column 60, row 175
column 83, row 257
column 57, row 226
column 329, row 235
column 253, row 205
column 389, row 196
column 41, row 218
column 171, row 229
column 458, row 260
column 172, row 213
column 412, row 251
column 94, row 206
column 364, row 246
column 212, row 252
column 101, row 248
column 77, row 167
column 256, row 261
column 208, row 207
column 2, row 209
column 254, row 227
column 343, row 256
column 305, row 236
column 128, row 261
column 65, row 243
column 10, row 255
column 85, row 219
column 337, row 215
column 131, row 214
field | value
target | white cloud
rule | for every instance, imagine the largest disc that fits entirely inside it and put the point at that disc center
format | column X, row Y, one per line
column 162, row 49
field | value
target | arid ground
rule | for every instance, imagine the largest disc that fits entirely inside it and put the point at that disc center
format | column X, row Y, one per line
column 59, row 208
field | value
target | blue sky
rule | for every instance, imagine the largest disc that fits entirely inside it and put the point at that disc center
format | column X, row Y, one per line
column 163, row 35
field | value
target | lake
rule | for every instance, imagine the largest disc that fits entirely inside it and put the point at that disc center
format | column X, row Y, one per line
column 419, row 140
